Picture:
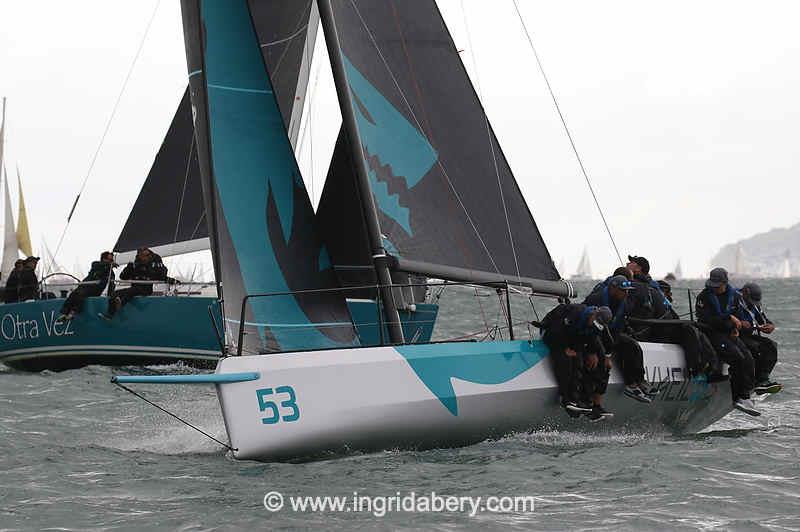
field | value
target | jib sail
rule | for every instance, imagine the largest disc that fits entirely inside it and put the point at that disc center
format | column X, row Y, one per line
column 263, row 228
column 169, row 215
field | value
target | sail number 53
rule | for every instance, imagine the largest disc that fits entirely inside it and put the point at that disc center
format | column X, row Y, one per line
column 269, row 399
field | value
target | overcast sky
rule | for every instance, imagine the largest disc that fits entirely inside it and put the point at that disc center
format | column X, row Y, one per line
column 687, row 115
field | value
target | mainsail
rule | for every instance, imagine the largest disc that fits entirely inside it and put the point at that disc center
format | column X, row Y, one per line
column 447, row 201
column 262, row 223
column 23, row 233
column 169, row 215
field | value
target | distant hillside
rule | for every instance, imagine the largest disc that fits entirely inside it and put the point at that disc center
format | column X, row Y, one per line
column 763, row 255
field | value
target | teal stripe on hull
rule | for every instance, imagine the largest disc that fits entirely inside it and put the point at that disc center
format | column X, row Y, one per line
column 481, row 362
column 147, row 326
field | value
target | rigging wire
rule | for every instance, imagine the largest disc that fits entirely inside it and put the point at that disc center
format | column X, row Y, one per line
column 108, row 126
column 490, row 139
column 151, row 403
column 567, row 131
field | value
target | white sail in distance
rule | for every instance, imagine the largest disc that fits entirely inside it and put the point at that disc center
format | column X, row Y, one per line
column 10, row 245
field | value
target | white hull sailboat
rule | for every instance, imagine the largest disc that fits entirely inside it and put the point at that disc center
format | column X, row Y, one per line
column 404, row 199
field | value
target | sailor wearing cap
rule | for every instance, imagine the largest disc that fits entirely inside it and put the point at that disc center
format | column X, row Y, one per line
column 755, row 323
column 572, row 334
column 718, row 306
column 627, row 350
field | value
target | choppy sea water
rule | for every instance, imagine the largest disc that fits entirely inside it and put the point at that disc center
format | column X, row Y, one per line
column 77, row 453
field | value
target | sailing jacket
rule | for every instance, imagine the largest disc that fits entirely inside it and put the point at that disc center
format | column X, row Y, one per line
column 566, row 326
column 649, row 301
column 620, row 309
column 12, row 285
column 101, row 275
column 27, row 285
column 715, row 310
column 155, row 270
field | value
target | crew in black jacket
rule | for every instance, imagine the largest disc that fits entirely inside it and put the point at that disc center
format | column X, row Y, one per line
column 627, row 350
column 764, row 350
column 100, row 275
column 11, row 294
column 717, row 307
column 572, row 334
column 27, row 281
column 650, row 302
column 147, row 266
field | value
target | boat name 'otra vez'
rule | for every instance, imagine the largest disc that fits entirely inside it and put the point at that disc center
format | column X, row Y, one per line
column 14, row 327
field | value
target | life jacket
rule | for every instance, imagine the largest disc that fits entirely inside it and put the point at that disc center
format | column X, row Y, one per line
column 654, row 285
column 752, row 313
column 619, row 315
column 731, row 297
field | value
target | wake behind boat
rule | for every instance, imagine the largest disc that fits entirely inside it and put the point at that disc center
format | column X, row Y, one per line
column 418, row 187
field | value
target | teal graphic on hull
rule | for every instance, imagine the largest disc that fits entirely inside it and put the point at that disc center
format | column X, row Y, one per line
column 479, row 362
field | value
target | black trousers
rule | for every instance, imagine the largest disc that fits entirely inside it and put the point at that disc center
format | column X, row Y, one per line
column 765, row 354
column 735, row 353
column 75, row 300
column 700, row 353
column 629, row 356
column 126, row 294
column 575, row 380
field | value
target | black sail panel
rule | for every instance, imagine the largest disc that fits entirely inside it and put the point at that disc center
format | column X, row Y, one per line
column 445, row 193
column 169, row 211
column 286, row 30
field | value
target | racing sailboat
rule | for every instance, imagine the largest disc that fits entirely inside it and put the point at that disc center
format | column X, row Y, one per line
column 404, row 196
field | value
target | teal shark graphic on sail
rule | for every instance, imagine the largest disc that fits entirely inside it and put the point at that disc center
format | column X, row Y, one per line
column 392, row 141
column 481, row 362
column 263, row 200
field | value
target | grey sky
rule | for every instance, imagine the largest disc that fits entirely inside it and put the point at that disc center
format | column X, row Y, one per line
column 686, row 115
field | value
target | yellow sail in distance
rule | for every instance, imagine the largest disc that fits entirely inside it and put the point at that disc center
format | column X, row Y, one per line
column 23, row 234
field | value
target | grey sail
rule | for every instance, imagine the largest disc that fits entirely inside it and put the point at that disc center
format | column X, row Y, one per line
column 447, row 200
column 168, row 215
column 263, row 234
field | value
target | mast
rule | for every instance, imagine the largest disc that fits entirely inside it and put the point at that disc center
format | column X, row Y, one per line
column 380, row 258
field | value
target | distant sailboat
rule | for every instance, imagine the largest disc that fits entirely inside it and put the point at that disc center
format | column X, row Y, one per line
column 676, row 274
column 786, row 267
column 584, row 271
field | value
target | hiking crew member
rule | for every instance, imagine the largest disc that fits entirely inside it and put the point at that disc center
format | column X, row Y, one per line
column 717, row 307
column 628, row 351
column 100, row 275
column 147, row 266
column 764, row 350
column 11, row 294
column 706, row 360
column 650, row 302
column 572, row 333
